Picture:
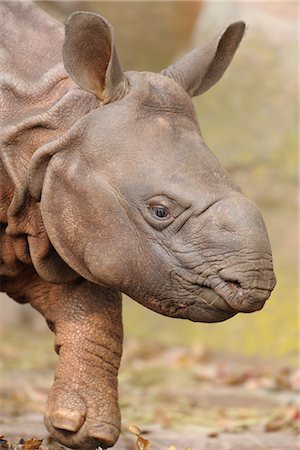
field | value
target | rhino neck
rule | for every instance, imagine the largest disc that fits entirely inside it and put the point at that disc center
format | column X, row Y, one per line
column 33, row 115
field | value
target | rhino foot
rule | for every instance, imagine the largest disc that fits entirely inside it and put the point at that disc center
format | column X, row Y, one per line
column 82, row 421
column 82, row 409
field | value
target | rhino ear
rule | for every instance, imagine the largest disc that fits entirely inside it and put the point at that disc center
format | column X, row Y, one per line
column 200, row 69
column 90, row 57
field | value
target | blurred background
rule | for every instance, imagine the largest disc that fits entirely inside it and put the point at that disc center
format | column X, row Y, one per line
column 249, row 120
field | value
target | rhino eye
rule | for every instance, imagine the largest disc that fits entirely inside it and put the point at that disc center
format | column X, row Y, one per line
column 160, row 212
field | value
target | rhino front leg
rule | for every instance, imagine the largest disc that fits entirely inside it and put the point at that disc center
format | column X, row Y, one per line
column 82, row 409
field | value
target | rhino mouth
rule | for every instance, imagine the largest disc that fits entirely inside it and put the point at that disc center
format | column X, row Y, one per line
column 242, row 296
column 224, row 294
column 208, row 306
column 243, row 300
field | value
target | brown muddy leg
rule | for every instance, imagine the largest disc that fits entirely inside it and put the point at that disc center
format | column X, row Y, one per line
column 82, row 409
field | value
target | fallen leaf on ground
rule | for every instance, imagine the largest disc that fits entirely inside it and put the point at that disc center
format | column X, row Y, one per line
column 141, row 443
column 288, row 418
column 32, row 444
column 5, row 444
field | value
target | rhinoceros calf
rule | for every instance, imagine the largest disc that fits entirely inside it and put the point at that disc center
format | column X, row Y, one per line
column 107, row 186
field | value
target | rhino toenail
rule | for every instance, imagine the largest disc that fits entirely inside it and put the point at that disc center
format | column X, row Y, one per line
column 65, row 419
column 106, row 433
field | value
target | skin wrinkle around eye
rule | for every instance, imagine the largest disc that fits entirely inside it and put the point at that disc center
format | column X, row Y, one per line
column 195, row 213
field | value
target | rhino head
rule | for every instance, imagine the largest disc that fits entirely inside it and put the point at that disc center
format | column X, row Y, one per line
column 131, row 196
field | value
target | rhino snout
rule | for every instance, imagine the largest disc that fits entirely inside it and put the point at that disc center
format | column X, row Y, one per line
column 247, row 279
column 245, row 292
column 229, row 255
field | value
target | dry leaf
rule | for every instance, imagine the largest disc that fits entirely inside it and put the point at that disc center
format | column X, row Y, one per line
column 276, row 424
column 32, row 444
column 141, row 443
column 4, row 443
column 289, row 418
column 135, row 430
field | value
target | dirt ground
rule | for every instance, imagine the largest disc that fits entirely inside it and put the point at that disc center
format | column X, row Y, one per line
column 187, row 396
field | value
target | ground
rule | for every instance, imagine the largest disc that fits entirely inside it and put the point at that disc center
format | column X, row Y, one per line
column 187, row 397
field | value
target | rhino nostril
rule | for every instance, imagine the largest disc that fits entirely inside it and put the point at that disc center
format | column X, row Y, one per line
column 231, row 281
column 236, row 290
column 232, row 285
column 236, row 286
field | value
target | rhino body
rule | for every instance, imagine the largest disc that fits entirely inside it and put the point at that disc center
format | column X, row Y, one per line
column 106, row 187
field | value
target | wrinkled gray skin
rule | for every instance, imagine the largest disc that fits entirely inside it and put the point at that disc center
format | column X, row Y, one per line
column 108, row 187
